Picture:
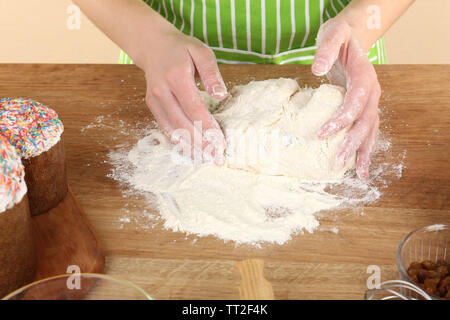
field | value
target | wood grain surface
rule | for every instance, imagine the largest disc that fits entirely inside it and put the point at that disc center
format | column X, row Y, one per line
column 96, row 103
column 254, row 286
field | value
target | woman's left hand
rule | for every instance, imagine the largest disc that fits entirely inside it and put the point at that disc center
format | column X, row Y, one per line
column 341, row 57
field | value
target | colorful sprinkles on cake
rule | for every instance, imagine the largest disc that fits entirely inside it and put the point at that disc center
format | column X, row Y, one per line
column 30, row 126
column 12, row 185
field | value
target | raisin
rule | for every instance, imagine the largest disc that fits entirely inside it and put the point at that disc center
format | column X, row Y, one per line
column 429, row 265
column 444, row 286
column 423, row 274
column 414, row 279
column 430, row 291
column 431, row 284
column 442, row 270
column 415, row 265
column 413, row 272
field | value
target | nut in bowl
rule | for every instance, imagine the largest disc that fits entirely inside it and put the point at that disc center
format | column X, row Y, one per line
column 423, row 259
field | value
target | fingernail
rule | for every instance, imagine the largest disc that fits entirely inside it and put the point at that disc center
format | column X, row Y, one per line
column 219, row 160
column 220, row 91
column 362, row 169
column 327, row 129
column 362, row 173
column 320, row 67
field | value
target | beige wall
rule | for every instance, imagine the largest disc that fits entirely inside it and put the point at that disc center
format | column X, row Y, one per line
column 36, row 31
column 422, row 35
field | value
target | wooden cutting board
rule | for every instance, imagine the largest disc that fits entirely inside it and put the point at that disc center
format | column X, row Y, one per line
column 97, row 102
column 66, row 241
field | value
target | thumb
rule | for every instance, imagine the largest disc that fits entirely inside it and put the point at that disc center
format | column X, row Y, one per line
column 332, row 35
column 206, row 65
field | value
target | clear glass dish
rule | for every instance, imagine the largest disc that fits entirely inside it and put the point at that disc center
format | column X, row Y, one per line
column 427, row 243
column 83, row 286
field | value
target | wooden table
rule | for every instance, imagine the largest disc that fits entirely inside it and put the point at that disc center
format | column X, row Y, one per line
column 323, row 265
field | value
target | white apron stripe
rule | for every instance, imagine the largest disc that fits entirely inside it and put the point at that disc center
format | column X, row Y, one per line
column 378, row 49
column 333, row 7
column 192, row 18
column 233, row 23
column 373, row 59
column 205, row 34
column 159, row 7
column 219, row 27
column 174, row 15
column 247, row 17
column 166, row 13
column 291, row 41
column 307, row 23
column 181, row 15
column 277, row 48
column 321, row 11
column 263, row 26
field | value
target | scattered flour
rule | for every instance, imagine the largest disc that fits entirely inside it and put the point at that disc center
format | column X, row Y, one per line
column 231, row 204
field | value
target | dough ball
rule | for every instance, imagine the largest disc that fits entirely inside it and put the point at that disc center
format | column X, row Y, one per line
column 271, row 128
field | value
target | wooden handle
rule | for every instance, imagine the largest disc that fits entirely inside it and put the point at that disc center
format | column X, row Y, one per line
column 254, row 286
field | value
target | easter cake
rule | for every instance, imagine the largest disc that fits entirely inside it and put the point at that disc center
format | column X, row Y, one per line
column 17, row 251
column 36, row 132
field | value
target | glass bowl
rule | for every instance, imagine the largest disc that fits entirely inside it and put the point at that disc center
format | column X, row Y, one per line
column 81, row 286
column 427, row 243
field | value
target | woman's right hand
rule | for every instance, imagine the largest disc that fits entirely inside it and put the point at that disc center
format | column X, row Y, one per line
column 171, row 60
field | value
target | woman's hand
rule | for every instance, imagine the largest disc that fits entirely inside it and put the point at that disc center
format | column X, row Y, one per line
column 341, row 57
column 171, row 62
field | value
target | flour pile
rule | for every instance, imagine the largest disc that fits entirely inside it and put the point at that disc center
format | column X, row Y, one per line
column 250, row 201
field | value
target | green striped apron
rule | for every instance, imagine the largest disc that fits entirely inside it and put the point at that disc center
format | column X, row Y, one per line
column 256, row 31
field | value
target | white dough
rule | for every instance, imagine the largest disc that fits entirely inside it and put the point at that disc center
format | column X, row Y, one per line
column 271, row 128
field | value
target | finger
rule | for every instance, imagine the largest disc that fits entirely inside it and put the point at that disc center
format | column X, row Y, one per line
column 366, row 150
column 355, row 100
column 186, row 92
column 206, row 64
column 359, row 131
column 332, row 35
column 193, row 105
column 176, row 116
column 159, row 114
column 200, row 145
